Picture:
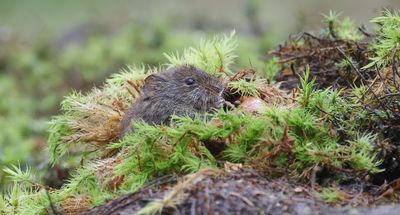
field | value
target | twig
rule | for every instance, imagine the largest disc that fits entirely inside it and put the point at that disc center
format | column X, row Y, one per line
column 160, row 181
column 313, row 37
column 243, row 198
column 134, row 86
column 293, row 58
column 130, row 92
column 390, row 95
column 294, row 71
column 241, row 74
column 363, row 31
column 364, row 80
column 395, row 63
column 53, row 209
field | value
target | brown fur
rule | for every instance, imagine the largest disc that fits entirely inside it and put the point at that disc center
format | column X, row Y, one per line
column 168, row 93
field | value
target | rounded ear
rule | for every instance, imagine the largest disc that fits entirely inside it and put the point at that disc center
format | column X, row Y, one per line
column 152, row 83
column 150, row 79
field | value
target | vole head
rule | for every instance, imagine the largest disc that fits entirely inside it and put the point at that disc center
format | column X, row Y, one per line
column 185, row 85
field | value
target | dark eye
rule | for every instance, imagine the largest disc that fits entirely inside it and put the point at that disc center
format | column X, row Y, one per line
column 190, row 81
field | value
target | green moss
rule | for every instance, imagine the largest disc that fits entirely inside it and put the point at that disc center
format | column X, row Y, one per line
column 278, row 139
column 344, row 29
column 246, row 88
column 387, row 40
column 329, row 195
column 213, row 56
column 272, row 67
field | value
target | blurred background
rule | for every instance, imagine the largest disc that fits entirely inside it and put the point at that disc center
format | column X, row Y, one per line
column 50, row 48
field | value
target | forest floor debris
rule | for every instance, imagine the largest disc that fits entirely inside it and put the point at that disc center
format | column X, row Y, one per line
column 240, row 191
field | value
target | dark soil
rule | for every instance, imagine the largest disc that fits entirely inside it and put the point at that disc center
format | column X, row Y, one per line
column 242, row 192
column 322, row 54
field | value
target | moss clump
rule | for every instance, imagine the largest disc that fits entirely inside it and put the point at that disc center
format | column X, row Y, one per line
column 275, row 139
column 344, row 29
column 214, row 56
column 386, row 45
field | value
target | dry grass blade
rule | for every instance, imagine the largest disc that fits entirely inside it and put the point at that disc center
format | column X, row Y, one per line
column 176, row 195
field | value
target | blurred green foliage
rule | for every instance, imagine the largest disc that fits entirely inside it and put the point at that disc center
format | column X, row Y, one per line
column 35, row 76
column 279, row 139
column 41, row 61
column 15, row 124
column 343, row 29
column 386, row 45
